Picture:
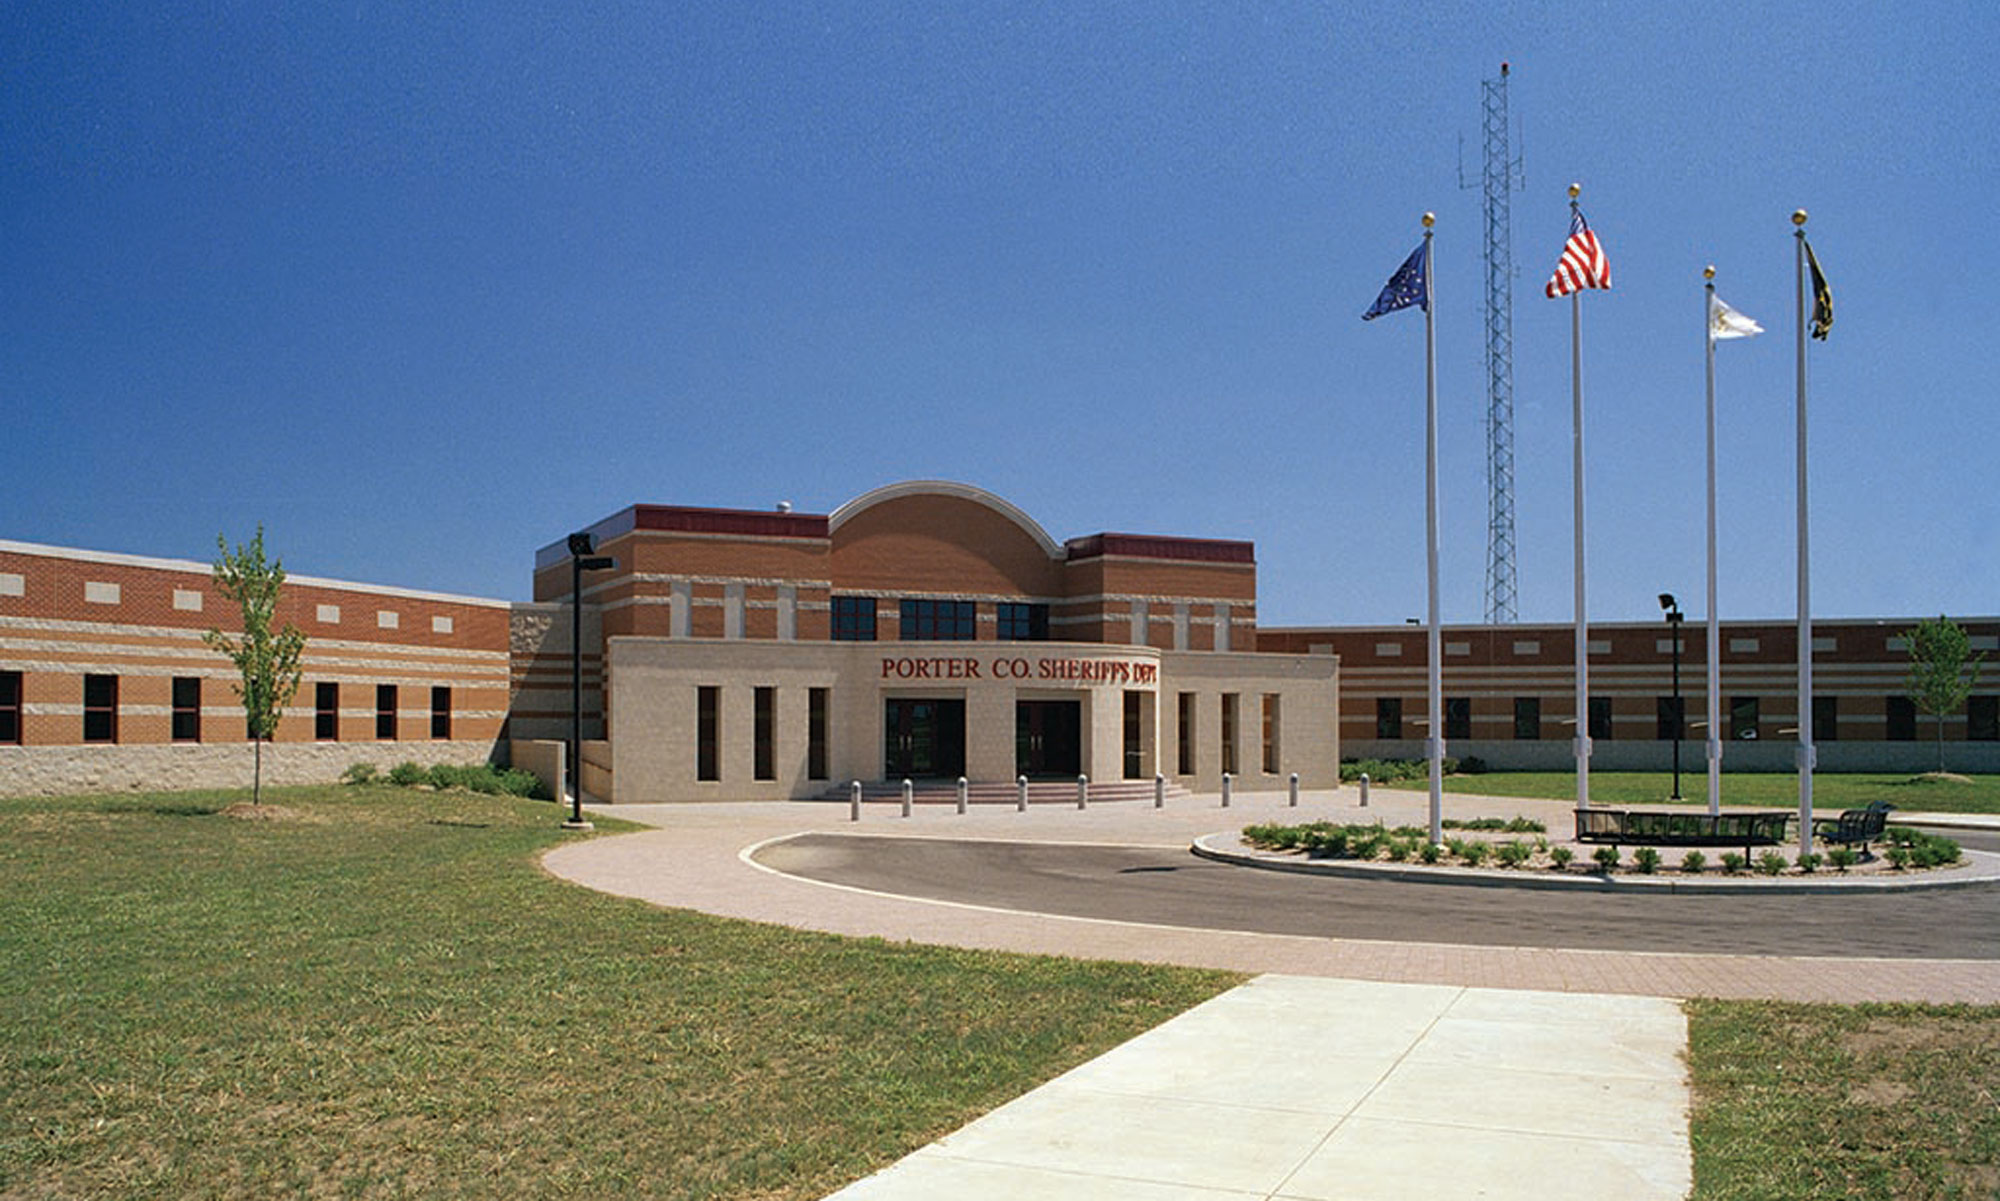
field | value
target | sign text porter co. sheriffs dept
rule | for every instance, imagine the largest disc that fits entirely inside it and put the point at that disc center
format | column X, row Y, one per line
column 1080, row 671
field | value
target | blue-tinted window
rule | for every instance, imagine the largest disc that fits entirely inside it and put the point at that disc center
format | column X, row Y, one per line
column 854, row 619
column 938, row 621
column 1020, row 622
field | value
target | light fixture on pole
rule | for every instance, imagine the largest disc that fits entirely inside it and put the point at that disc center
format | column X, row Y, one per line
column 582, row 558
column 1673, row 611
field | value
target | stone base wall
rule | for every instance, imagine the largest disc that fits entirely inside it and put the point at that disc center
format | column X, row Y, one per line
column 62, row 770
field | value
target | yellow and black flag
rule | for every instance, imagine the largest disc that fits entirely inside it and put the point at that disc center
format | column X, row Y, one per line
column 1822, row 314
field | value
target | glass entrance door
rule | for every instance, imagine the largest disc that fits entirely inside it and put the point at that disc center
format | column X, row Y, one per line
column 923, row 738
column 1048, row 738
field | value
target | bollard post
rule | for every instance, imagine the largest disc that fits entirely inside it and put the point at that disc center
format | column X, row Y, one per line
column 1020, row 794
column 961, row 794
column 1364, row 790
column 1082, row 792
column 854, row 802
column 908, row 790
column 1159, row 791
column 1226, row 782
column 1295, row 790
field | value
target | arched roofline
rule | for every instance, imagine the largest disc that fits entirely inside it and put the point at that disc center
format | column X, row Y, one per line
column 889, row 492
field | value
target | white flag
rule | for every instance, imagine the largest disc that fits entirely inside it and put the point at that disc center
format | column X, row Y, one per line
column 1725, row 322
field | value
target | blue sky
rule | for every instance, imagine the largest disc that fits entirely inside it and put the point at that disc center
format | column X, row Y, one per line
column 423, row 287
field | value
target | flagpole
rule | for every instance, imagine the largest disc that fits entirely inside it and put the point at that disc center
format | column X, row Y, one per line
column 1807, row 752
column 1714, row 631
column 1435, row 743
column 1582, row 743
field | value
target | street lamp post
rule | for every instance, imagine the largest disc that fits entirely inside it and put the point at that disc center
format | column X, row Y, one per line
column 581, row 559
column 1680, row 718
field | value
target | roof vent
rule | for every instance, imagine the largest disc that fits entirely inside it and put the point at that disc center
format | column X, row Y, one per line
column 784, row 506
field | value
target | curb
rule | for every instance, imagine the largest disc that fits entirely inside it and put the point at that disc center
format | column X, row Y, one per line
column 1984, row 869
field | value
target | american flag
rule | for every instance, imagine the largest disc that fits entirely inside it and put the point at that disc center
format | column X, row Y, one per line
column 1583, row 263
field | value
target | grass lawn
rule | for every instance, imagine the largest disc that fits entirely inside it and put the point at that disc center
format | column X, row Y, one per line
column 382, row 996
column 1766, row 790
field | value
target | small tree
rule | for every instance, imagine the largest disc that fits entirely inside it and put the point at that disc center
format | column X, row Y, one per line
column 268, row 661
column 1943, row 671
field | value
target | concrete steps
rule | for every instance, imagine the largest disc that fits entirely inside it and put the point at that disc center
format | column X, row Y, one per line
column 994, row 792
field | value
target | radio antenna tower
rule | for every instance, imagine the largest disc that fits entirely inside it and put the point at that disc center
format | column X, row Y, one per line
column 1501, row 175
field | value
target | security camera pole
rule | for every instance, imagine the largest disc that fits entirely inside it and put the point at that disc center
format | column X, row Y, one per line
column 581, row 559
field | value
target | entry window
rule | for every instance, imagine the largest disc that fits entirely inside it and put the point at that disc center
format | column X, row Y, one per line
column 854, row 619
column 100, row 708
column 1669, row 717
column 1458, row 717
column 326, row 712
column 1229, row 733
column 1272, row 750
column 440, row 711
column 1185, row 730
column 1826, row 718
column 708, row 733
column 764, row 734
column 1600, row 718
column 1388, row 717
column 1982, row 719
column 938, row 621
column 10, row 707
column 1743, row 718
column 1135, row 743
column 1527, row 718
column 1902, row 718
column 1022, row 622
column 385, row 712
column 816, row 734
column 187, row 709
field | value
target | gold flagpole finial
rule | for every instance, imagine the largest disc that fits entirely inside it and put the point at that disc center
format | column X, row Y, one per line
column 1708, row 273
column 1799, row 217
column 1430, row 219
column 1575, row 189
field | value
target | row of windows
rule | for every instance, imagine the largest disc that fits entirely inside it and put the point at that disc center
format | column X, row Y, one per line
column 940, row 620
column 763, row 733
column 1982, row 718
column 100, row 709
column 1187, row 734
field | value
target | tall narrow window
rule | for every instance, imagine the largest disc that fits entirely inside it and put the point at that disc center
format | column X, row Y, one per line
column 187, row 709
column 1743, row 718
column 1982, row 719
column 1022, row 622
column 10, row 707
column 1135, row 735
column 764, row 734
column 1527, row 718
column 326, row 711
column 1669, row 717
column 1826, row 718
column 816, row 733
column 100, row 708
column 1600, row 718
column 708, row 733
column 440, row 711
column 1271, row 733
column 1458, row 717
column 1388, row 717
column 385, row 712
column 854, row 619
column 1901, row 713
column 1185, row 732
column 1229, row 733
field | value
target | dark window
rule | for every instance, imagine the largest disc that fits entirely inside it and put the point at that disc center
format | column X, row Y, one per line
column 10, row 707
column 100, row 708
column 1982, row 719
column 187, row 709
column 1669, row 718
column 1458, row 717
column 326, row 712
column 1388, row 717
column 1022, row 622
column 1229, row 733
column 708, row 733
column 1135, row 743
column 816, row 733
column 1271, row 751
column 938, row 621
column 1527, row 718
column 1186, row 729
column 1902, row 716
column 764, row 734
column 1743, row 718
column 385, row 712
column 854, row 619
column 1600, row 718
column 1826, row 719
column 440, row 711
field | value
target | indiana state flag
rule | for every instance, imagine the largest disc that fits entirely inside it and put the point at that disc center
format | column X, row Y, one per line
column 1409, row 286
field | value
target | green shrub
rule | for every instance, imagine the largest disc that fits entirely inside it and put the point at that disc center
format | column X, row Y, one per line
column 1646, row 860
column 1506, row 825
column 1770, row 863
column 1559, row 857
column 358, row 773
column 1693, row 862
column 1898, row 857
column 407, row 775
column 1430, row 852
column 1400, row 849
column 1607, row 858
column 1472, row 765
column 515, row 781
column 1381, row 771
column 1843, row 858
column 1808, row 862
column 1922, row 849
column 1513, row 854
column 1733, row 862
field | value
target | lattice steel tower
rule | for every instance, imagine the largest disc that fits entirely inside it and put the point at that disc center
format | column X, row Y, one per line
column 1501, row 175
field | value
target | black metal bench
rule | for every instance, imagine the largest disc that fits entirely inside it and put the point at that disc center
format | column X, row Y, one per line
column 1853, row 826
column 1681, row 828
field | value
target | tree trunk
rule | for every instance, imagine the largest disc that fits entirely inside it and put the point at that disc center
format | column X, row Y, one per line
column 257, row 775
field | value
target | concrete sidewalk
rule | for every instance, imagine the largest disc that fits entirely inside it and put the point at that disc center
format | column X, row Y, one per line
column 1290, row 1087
